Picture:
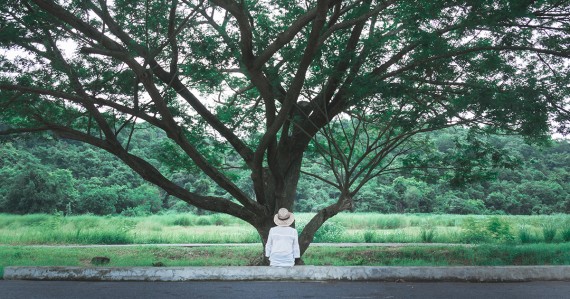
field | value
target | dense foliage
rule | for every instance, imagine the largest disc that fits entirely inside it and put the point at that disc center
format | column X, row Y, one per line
column 51, row 175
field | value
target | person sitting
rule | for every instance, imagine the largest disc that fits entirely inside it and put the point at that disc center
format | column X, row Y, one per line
column 282, row 247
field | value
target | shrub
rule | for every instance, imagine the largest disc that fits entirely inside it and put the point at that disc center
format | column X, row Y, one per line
column 218, row 220
column 525, row 235
column 182, row 221
column 180, row 206
column 369, row 236
column 473, row 231
column 329, row 232
column 39, row 190
column 142, row 210
column 453, row 204
column 98, row 200
column 203, row 221
column 566, row 234
column 427, row 234
column 549, row 232
column 499, row 229
column 565, row 230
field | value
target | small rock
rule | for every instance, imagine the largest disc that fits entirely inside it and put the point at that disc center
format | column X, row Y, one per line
column 158, row 264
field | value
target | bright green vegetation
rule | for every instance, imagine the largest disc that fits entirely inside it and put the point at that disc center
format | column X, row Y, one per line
column 361, row 95
column 47, row 176
column 501, row 240
column 130, row 256
column 221, row 228
column 89, row 229
column 482, row 255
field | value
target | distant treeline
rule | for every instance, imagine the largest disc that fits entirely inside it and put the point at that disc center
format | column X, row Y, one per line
column 48, row 175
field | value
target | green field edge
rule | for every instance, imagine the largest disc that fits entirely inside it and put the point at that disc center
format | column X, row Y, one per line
column 174, row 256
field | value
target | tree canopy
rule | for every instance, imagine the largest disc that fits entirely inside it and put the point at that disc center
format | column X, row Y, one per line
column 265, row 80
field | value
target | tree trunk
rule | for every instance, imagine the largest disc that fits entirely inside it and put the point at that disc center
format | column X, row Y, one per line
column 263, row 226
column 280, row 190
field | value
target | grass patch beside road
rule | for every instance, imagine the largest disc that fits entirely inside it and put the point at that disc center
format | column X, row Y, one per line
column 143, row 256
column 502, row 240
column 482, row 255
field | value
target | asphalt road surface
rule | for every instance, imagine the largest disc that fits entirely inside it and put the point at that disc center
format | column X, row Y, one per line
column 12, row 289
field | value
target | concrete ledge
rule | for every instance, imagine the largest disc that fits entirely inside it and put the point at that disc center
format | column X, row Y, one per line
column 305, row 273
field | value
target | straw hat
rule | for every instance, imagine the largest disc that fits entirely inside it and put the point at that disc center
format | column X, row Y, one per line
column 283, row 217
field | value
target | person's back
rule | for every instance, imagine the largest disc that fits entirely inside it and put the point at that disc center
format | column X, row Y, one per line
column 282, row 244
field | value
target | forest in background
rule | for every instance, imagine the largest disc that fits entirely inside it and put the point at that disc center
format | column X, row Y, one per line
column 49, row 175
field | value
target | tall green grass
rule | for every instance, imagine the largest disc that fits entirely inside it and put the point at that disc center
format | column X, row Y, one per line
column 89, row 229
column 476, row 229
column 549, row 230
column 221, row 228
column 544, row 239
column 566, row 234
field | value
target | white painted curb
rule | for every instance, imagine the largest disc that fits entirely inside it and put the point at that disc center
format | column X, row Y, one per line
column 303, row 273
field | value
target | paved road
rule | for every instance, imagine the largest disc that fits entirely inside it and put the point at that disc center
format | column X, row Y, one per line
column 258, row 289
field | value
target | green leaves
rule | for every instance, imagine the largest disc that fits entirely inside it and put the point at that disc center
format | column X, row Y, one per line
column 39, row 190
column 475, row 159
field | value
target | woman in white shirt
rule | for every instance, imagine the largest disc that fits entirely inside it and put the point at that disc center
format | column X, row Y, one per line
column 282, row 247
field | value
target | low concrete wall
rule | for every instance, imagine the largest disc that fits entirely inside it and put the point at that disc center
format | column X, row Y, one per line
column 307, row 273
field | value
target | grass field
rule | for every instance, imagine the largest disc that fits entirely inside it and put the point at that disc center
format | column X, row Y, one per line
column 501, row 240
column 481, row 255
column 359, row 227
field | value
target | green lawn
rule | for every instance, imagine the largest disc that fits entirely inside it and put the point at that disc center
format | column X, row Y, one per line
column 498, row 240
column 480, row 255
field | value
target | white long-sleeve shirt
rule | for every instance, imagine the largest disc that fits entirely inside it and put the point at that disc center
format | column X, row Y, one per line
column 282, row 246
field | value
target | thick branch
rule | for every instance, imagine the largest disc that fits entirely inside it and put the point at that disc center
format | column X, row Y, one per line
column 153, row 175
column 298, row 80
column 287, row 36
column 244, row 27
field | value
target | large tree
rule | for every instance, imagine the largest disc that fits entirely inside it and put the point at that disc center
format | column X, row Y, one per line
column 265, row 81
